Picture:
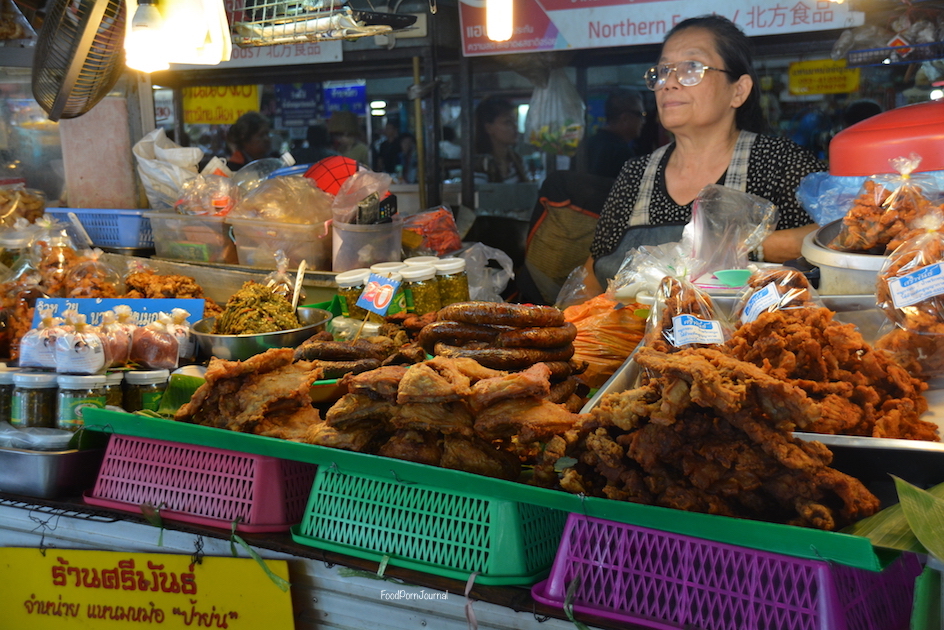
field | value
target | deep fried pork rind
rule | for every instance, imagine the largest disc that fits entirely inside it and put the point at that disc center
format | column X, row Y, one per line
column 882, row 216
column 709, row 433
column 861, row 391
column 773, row 289
column 678, row 298
column 910, row 294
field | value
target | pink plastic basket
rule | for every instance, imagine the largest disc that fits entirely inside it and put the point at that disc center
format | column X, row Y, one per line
column 669, row 581
column 203, row 485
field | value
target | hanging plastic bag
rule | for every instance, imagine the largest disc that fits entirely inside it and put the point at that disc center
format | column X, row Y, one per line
column 433, row 232
column 487, row 282
column 883, row 214
column 773, row 289
column 164, row 166
column 911, row 293
column 555, row 122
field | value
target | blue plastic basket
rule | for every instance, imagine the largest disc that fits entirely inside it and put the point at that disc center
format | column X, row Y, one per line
column 111, row 227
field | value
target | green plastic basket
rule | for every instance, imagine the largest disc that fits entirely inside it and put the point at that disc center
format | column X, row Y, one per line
column 448, row 533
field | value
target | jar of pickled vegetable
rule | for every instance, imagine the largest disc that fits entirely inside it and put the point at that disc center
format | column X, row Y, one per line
column 144, row 389
column 76, row 394
column 34, row 400
column 350, row 286
column 421, row 289
column 453, row 281
column 6, row 393
column 113, row 391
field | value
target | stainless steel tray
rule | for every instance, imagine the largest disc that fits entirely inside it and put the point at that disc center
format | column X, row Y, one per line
column 48, row 474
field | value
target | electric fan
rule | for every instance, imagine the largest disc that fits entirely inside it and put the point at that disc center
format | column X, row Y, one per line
column 79, row 55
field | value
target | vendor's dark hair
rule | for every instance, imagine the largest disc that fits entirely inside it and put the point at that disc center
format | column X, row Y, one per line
column 738, row 55
column 487, row 111
column 245, row 127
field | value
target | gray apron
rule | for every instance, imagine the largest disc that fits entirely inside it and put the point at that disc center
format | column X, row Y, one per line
column 640, row 232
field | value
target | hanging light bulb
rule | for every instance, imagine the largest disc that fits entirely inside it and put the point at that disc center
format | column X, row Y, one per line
column 499, row 16
column 144, row 45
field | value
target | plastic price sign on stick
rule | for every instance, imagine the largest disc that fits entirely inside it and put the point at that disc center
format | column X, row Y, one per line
column 378, row 293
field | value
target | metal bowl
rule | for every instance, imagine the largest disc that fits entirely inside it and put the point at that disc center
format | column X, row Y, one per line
column 241, row 347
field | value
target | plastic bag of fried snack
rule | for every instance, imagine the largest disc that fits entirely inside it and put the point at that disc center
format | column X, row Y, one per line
column 910, row 290
column 684, row 316
column 37, row 347
column 92, row 277
column 607, row 333
column 883, row 215
column 773, row 289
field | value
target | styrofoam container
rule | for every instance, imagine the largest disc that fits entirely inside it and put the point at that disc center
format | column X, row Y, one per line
column 192, row 237
column 257, row 241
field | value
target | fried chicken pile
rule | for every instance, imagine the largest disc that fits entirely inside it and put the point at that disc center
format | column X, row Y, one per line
column 880, row 220
column 707, row 433
column 148, row 284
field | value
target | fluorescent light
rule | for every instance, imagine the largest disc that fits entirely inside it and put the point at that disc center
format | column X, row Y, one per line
column 144, row 45
column 499, row 15
column 378, row 104
column 378, row 112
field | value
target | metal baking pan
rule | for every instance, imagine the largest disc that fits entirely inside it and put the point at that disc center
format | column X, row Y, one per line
column 48, row 474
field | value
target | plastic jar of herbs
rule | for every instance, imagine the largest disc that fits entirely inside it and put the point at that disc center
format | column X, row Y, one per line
column 350, row 286
column 144, row 389
column 421, row 288
column 452, row 280
column 114, row 395
column 6, row 393
column 421, row 260
column 77, row 393
column 34, row 400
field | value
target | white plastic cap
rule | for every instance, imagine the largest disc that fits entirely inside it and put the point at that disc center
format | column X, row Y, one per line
column 384, row 268
column 421, row 260
column 73, row 381
column 147, row 377
column 34, row 380
column 352, row 278
column 450, row 265
column 418, row 272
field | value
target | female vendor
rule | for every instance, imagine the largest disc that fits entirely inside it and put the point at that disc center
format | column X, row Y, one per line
column 708, row 97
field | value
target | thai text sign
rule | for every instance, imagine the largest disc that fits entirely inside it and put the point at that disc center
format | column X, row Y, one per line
column 822, row 76
column 219, row 105
column 68, row 588
column 564, row 24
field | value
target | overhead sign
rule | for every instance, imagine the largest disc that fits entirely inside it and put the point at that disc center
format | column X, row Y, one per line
column 301, row 103
column 346, row 96
column 220, row 104
column 328, row 51
column 568, row 24
column 822, row 76
column 68, row 588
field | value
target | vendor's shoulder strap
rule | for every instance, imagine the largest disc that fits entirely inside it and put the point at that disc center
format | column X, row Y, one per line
column 640, row 215
column 736, row 177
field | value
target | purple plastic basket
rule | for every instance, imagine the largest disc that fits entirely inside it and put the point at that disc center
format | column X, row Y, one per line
column 670, row 581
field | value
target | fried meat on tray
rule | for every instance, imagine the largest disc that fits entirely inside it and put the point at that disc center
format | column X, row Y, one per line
column 708, row 433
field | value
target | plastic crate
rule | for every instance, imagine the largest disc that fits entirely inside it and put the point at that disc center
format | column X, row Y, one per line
column 662, row 580
column 193, row 237
column 257, row 242
column 111, row 227
column 202, row 485
column 443, row 532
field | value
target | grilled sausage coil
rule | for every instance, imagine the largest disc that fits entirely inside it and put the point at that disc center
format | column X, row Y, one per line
column 538, row 337
column 507, row 358
column 502, row 314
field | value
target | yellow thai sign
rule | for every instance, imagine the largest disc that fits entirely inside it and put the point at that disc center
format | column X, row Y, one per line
column 67, row 588
column 822, row 76
column 219, row 105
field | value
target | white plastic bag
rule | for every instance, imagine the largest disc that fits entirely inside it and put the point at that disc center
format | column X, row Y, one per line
column 486, row 283
column 555, row 122
column 164, row 166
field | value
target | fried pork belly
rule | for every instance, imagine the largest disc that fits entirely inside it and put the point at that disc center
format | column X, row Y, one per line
column 266, row 394
column 531, row 419
column 422, row 383
column 532, row 382
column 445, row 418
column 354, row 408
column 354, row 436
column 380, row 383
column 475, row 455
column 422, row 447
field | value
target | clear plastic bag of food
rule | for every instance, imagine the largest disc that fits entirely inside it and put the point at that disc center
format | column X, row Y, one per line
column 208, row 195
column 19, row 202
column 53, row 254
column 280, row 280
column 684, row 316
column 154, row 347
column 910, row 290
column 38, row 346
column 432, row 232
column 117, row 339
column 773, row 289
column 249, row 177
column 643, row 268
column 179, row 327
column 726, row 226
column 357, row 188
column 883, row 215
column 92, row 277
column 81, row 350
column 289, row 199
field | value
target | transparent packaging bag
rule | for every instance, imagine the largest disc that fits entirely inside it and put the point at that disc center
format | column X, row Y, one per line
column 92, row 277
column 555, row 121
column 154, row 347
column 38, row 346
column 684, row 316
column 290, row 199
column 117, row 339
column 208, row 195
column 773, row 289
column 80, row 350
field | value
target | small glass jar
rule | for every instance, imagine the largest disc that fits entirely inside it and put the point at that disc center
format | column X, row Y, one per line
column 421, row 288
column 34, row 400
column 113, row 392
column 77, row 393
column 6, row 393
column 453, row 281
column 144, row 389
column 350, row 286
column 421, row 260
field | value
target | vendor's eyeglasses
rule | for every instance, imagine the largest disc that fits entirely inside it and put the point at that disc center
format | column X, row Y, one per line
column 688, row 73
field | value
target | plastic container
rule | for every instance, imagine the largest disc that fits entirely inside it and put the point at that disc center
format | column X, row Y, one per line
column 6, row 393
column 111, row 227
column 202, row 485
column 77, row 393
column 356, row 246
column 453, row 280
column 841, row 273
column 450, row 533
column 14, row 244
column 144, row 389
column 114, row 395
column 657, row 579
column 257, row 241
column 350, row 286
column 421, row 288
column 34, row 400
column 193, row 237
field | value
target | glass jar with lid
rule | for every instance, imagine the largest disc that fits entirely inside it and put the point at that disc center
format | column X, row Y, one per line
column 421, row 260
column 144, row 389
column 453, row 281
column 421, row 288
column 6, row 392
column 350, row 286
column 76, row 394
column 113, row 388
column 34, row 400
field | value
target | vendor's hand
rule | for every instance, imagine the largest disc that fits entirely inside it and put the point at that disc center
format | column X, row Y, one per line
column 784, row 245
